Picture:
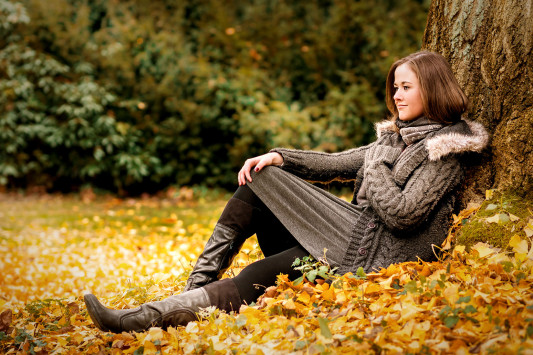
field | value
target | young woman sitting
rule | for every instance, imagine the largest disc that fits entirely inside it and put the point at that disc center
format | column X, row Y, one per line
column 405, row 190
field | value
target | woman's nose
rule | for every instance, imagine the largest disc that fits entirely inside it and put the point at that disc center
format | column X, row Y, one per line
column 397, row 96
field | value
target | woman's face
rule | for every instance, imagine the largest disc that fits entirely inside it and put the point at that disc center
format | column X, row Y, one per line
column 407, row 94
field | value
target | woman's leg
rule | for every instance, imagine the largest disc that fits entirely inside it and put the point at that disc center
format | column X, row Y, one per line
column 272, row 235
column 227, row 295
column 172, row 311
column 243, row 216
column 256, row 277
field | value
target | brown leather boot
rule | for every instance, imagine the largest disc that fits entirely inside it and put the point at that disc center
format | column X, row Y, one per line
column 219, row 252
column 172, row 311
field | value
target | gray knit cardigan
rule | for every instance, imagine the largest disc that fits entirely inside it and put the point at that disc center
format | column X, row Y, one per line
column 411, row 190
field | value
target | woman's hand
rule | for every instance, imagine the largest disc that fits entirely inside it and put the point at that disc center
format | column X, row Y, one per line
column 259, row 162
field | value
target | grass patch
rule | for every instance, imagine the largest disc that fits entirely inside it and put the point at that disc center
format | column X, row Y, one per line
column 19, row 212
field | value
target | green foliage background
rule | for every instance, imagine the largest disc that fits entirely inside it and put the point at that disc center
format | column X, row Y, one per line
column 134, row 96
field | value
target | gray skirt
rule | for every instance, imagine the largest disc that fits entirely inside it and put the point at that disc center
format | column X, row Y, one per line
column 316, row 218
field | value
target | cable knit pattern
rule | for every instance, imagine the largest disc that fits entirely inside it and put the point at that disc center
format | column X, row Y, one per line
column 402, row 208
column 410, row 189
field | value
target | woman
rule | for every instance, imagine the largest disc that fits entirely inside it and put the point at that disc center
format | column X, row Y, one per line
column 405, row 184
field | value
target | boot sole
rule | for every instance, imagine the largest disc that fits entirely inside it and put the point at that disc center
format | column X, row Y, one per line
column 91, row 302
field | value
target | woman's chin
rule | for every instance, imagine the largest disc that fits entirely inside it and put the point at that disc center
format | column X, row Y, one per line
column 407, row 117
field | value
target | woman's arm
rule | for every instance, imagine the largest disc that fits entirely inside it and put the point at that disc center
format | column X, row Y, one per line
column 404, row 208
column 323, row 167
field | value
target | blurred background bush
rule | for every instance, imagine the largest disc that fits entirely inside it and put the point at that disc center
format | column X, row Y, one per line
column 136, row 95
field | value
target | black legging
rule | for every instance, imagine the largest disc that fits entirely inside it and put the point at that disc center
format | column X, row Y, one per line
column 253, row 279
column 277, row 244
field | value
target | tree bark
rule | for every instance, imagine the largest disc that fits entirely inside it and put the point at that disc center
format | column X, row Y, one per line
column 489, row 46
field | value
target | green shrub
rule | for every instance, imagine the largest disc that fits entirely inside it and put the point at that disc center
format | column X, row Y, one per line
column 134, row 96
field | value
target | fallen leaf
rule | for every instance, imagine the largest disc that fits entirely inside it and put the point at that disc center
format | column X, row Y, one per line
column 6, row 317
column 498, row 218
column 519, row 245
column 483, row 249
column 513, row 218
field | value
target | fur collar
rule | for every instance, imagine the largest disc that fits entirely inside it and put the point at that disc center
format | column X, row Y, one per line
column 461, row 137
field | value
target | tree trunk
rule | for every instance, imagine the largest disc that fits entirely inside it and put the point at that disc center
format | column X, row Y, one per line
column 489, row 46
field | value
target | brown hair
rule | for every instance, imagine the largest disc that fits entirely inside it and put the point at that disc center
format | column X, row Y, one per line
column 442, row 98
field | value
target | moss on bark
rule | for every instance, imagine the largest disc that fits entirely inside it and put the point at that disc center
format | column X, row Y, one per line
column 498, row 219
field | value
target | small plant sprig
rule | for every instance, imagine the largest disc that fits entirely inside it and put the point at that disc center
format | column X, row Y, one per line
column 311, row 269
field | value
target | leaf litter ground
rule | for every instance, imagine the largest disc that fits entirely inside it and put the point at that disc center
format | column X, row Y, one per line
column 127, row 252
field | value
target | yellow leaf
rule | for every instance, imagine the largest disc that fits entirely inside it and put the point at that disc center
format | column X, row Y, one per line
column 61, row 341
column 357, row 314
column 484, row 296
column 217, row 344
column 426, row 271
column 149, row 347
column 513, row 217
column 420, row 330
column 497, row 218
column 451, row 293
column 78, row 338
column 341, row 297
column 431, row 303
column 173, row 331
column 192, row 327
column 460, row 249
column 506, row 287
column 289, row 304
column 414, row 346
column 483, row 249
column 519, row 245
column 73, row 320
column 304, row 297
column 456, row 218
column 329, row 294
column 322, row 287
column 409, row 311
column 93, row 349
column 521, row 256
column 406, row 331
column 489, row 194
column 376, row 306
column 156, row 333
column 373, row 287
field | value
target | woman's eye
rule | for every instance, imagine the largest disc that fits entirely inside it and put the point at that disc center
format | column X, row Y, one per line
column 406, row 88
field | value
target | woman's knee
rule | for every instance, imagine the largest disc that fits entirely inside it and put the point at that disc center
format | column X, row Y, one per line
column 244, row 193
column 265, row 173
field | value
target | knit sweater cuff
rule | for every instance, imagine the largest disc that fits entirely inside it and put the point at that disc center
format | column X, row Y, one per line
column 280, row 152
column 288, row 159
